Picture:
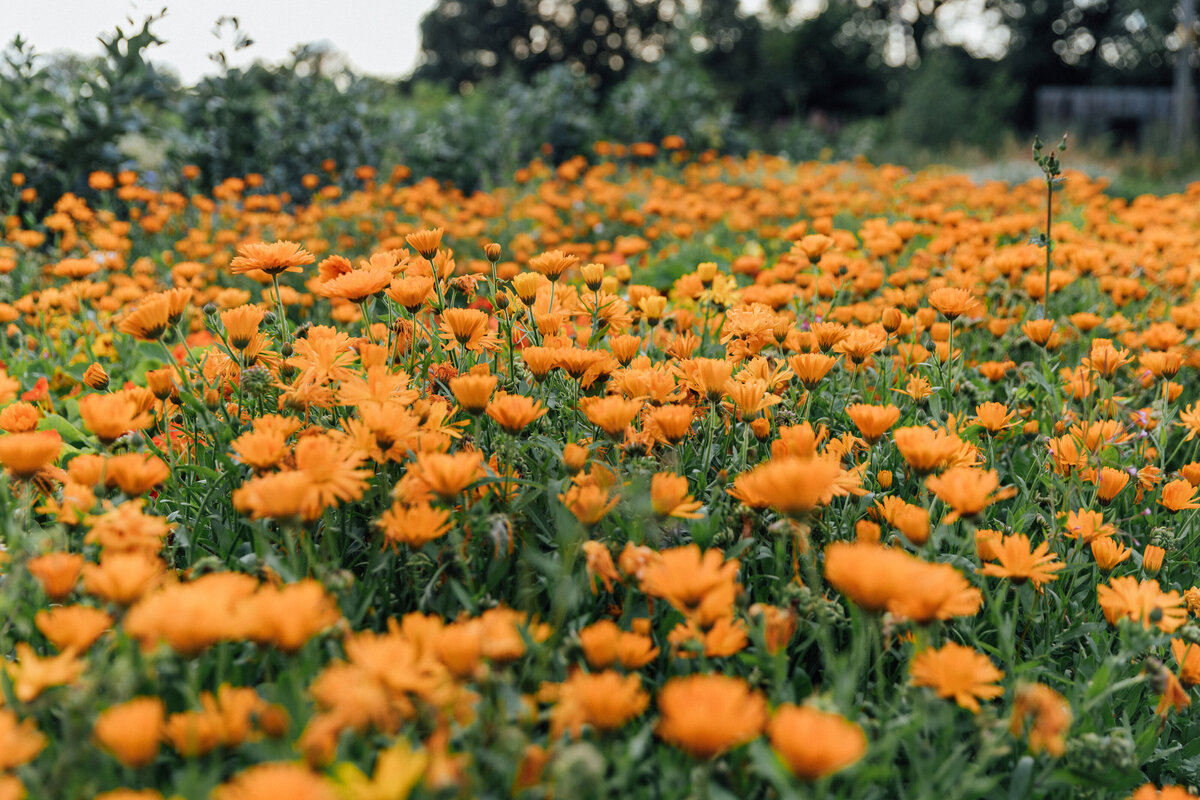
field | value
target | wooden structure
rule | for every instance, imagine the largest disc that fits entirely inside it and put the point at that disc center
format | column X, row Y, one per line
column 1126, row 113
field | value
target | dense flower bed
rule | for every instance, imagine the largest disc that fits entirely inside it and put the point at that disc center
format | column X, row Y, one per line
column 646, row 476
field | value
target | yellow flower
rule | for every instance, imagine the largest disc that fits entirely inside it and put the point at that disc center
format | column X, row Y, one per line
column 398, row 769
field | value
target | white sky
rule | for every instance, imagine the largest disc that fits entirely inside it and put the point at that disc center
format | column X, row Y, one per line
column 379, row 37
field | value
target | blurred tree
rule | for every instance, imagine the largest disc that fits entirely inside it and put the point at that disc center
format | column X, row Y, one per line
column 466, row 41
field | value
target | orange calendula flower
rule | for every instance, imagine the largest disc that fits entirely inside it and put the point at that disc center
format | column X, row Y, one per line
column 1144, row 602
column 1050, row 716
column 1109, row 483
column 604, row 700
column 1019, row 561
column 425, row 242
column 811, row 368
column 968, row 491
column 669, row 497
column 149, row 321
column 273, row 258
column 414, row 525
column 74, row 627
column 448, row 474
column 1108, row 552
column 872, row 421
column 132, row 731
column 957, row 672
column 815, row 743
column 589, row 503
column 1187, row 656
column 926, row 450
column 514, row 412
column 600, row 565
column 792, row 486
column 31, row 674
column 697, row 585
column 553, row 264
column 24, row 455
column 473, row 391
column 954, row 303
column 995, row 418
column 276, row 780
column 612, row 414
column 705, row 715
column 1177, row 495
column 111, row 416
column 467, row 328
column 20, row 740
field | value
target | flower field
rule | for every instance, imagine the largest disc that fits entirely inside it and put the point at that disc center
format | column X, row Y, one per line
column 658, row 474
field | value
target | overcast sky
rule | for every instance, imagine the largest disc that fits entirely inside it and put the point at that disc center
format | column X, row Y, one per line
column 378, row 36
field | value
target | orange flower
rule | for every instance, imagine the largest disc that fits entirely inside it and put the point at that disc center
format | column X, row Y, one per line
column 872, row 421
column 954, row 302
column 910, row 520
column 1020, row 562
column 414, row 526
column 1051, row 714
column 131, row 732
column 935, row 591
column 72, row 627
column 1040, row 332
column 792, row 486
column 815, row 743
column 957, row 672
column 473, row 391
column 1144, row 602
column 25, row 454
column 1173, row 694
column 95, row 377
column 611, row 414
column 111, row 416
column 1108, row 552
column 273, row 258
column 779, row 625
column 411, row 291
column 20, row 741
column 605, row 700
column 467, row 328
column 149, row 321
column 706, row 715
column 1187, row 656
column 994, row 417
column 926, row 450
column 674, row 422
column 697, row 585
column 276, row 780
column 968, row 491
column 356, row 285
column 281, row 495
column 31, row 674
column 425, row 242
column 600, row 565
column 56, row 572
column 553, row 263
column 1109, row 483
column 449, row 474
column 514, row 412
column 1087, row 525
column 811, row 368
column 669, row 497
column 19, row 418
column 869, row 574
column 1176, row 495
column 241, row 324
column 589, row 503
